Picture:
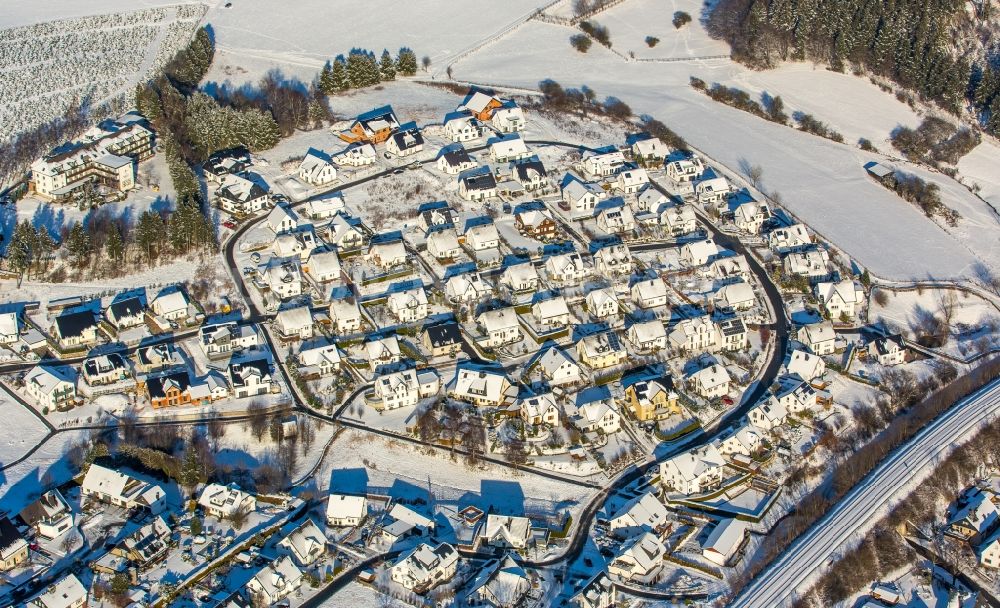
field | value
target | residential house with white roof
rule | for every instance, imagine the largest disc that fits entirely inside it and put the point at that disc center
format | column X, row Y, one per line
column 521, row 278
column 316, row 169
column 539, row 409
column 323, row 265
column 733, row 332
column 597, row 416
column 710, row 382
column 107, row 369
column 699, row 253
column 360, row 155
column 501, row 585
column 603, row 303
column 295, row 323
column 508, row 149
column 805, row 365
column 324, row 208
column 813, row 264
column 466, row 288
column 746, row 440
column 49, row 515
column 345, row 314
column 631, row 181
column 387, row 254
column 383, row 351
column 768, row 414
column 346, row 511
column 558, row 367
column 730, row 269
column 795, row 394
column 509, row 118
column 694, row 471
column 613, row 260
column 13, row 546
column 649, row 293
column 647, row 336
column 551, row 312
column 819, row 338
column 323, row 360
column 278, row 580
column 615, row 219
column 644, row 513
column 398, row 389
column 220, row 339
column 712, row 191
column 737, row 295
column 408, row 306
column 283, row 276
column 116, row 488
column 602, row 163
column 443, row 244
column 305, row 544
column 842, row 299
column 68, row 592
column 599, row 592
column 750, row 216
column 481, row 387
column 461, row 127
column 483, row 236
column 237, row 194
column 581, row 197
column 651, row 149
column 566, row 269
column 344, row 233
column 725, row 540
column 506, row 531
column 695, row 335
column 226, row 502
column 679, row 220
column 282, row 219
column 789, row 238
column 685, row 171
column 425, row 567
column 10, row 327
column 51, row 386
column 640, row 560
column 501, row 326
column 601, row 350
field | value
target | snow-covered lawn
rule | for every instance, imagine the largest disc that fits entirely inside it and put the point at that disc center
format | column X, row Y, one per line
column 20, row 484
column 22, row 430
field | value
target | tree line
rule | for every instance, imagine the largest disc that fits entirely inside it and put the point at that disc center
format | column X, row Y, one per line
column 361, row 69
column 907, row 41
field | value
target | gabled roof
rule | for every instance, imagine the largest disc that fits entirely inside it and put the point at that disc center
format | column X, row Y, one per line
column 444, row 334
column 74, row 324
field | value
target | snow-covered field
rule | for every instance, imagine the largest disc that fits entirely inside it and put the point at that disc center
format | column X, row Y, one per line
column 22, row 429
column 631, row 22
column 18, row 13
column 20, row 484
column 981, row 167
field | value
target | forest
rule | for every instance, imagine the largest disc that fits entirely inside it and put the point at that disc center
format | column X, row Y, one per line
column 911, row 42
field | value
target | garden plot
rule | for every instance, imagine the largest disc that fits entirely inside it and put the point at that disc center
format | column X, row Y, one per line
column 975, row 323
column 97, row 59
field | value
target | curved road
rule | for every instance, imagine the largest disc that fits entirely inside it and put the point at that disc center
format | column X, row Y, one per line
column 865, row 505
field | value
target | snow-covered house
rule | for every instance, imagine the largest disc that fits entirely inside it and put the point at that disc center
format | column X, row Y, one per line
column 551, row 312
column 466, row 288
column 481, row 387
column 631, row 181
column 768, row 414
column 679, row 220
column 819, row 338
column 640, row 560
column 443, row 339
column 536, row 223
column 237, row 194
column 597, row 416
column 443, row 244
column 539, row 409
column 324, row 208
column 220, row 339
column 601, row 350
column 317, row 169
column 170, row 304
column 745, row 440
column 566, row 269
column 733, row 332
column 425, row 567
column 387, row 254
column 712, row 191
column 710, row 382
column 398, row 389
column 13, row 547
column 651, row 149
column 283, row 276
column 602, row 163
column 508, row 149
column 699, row 253
column 383, row 351
column 10, row 327
column 226, row 502
column 888, row 350
column 344, row 511
column 813, row 264
column 599, row 592
column 109, row 368
column 282, row 218
column 509, row 118
column 686, row 170
column 725, row 541
column 649, row 293
column 738, row 295
column 693, row 471
column 805, row 365
column 276, row 581
column 615, row 219
column 531, row 174
column 988, row 551
column 501, row 585
column 603, row 303
column 323, row 360
column 408, row 306
column 840, row 299
column 521, row 278
column 974, row 516
column 295, row 322
column 75, row 328
column 156, row 357
column 462, row 127
column 501, row 326
column 305, row 544
column 323, row 265
column 644, row 513
column 647, row 336
column 695, row 335
column 51, row 386
column 581, row 198
column 795, row 394
column 360, row 155
column 558, row 367
column 344, row 233
column 113, row 487
column 49, row 515
column 345, row 314
column 789, row 238
column 68, row 592
column 730, row 269
column 482, row 237
column 506, row 531
column 750, row 216
column 407, row 141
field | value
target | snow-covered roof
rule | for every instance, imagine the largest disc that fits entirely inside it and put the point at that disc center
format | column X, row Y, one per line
column 692, row 464
column 344, row 506
column 48, row 378
column 65, row 593
column 485, row 384
column 498, row 320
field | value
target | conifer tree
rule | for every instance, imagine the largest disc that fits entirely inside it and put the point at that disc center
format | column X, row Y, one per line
column 387, row 67
column 326, row 84
column 114, row 248
column 339, row 76
column 149, row 234
column 78, row 244
column 44, row 246
column 406, row 62
column 20, row 249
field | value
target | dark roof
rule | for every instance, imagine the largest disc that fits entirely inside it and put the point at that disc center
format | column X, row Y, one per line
column 882, row 344
column 8, row 533
column 408, row 136
column 479, row 181
column 114, row 359
column 127, row 308
column 376, row 113
column 155, row 385
column 523, row 168
column 39, row 510
column 456, row 156
column 73, row 324
column 732, row 326
column 444, row 334
column 259, row 364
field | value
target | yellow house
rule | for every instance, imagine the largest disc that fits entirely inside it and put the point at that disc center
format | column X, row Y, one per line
column 601, row 350
column 652, row 399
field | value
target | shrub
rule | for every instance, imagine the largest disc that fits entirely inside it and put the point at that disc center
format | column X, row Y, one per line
column 580, row 42
column 681, row 19
column 652, row 41
column 866, row 145
column 597, row 31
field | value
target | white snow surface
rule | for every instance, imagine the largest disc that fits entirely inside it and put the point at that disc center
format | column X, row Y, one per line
column 26, row 12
